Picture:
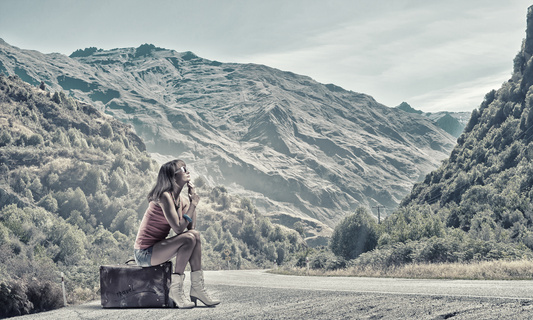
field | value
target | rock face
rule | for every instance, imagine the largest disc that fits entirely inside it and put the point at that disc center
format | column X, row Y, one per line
column 296, row 147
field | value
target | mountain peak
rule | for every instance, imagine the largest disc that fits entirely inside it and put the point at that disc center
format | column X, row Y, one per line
column 407, row 108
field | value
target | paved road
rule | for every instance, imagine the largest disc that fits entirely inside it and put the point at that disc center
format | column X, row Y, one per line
column 255, row 294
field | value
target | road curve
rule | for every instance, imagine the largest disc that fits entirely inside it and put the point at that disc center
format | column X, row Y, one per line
column 257, row 294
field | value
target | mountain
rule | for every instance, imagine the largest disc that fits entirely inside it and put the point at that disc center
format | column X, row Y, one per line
column 73, row 187
column 451, row 122
column 299, row 149
column 478, row 205
column 407, row 108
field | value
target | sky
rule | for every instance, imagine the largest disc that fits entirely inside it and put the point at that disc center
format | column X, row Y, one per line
column 434, row 55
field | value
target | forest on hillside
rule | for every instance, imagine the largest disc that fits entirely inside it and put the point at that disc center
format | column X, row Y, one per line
column 73, row 189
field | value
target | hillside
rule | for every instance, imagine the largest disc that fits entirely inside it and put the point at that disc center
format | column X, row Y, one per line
column 73, row 189
column 478, row 205
column 301, row 150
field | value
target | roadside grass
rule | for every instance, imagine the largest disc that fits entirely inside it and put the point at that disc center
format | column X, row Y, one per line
column 483, row 270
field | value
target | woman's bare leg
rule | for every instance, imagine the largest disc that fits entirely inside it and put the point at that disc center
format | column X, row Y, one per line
column 196, row 256
column 181, row 246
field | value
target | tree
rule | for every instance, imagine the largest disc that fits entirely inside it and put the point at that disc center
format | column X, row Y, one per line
column 5, row 138
column 299, row 226
column 56, row 97
column 117, row 185
column 250, row 235
column 91, row 182
column 36, row 187
column 72, row 200
column 72, row 248
column 49, row 203
column 122, row 221
column 355, row 234
column 35, row 140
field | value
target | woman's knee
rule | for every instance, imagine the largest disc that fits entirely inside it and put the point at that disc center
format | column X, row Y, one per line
column 190, row 238
column 196, row 234
column 185, row 239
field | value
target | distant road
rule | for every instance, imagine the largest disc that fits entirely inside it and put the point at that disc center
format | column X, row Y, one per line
column 256, row 294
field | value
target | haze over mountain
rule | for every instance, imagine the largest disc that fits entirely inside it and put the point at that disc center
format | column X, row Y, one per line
column 298, row 148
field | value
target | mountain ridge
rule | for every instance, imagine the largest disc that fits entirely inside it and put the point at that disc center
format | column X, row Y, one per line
column 313, row 150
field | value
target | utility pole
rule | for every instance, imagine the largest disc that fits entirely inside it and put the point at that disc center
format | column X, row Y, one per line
column 379, row 215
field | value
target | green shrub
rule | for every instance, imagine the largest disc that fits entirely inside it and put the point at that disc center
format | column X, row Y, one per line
column 355, row 234
column 5, row 138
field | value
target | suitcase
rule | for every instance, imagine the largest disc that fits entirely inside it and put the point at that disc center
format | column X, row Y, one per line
column 131, row 286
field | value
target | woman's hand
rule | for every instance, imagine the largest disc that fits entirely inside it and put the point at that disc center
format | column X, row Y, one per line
column 193, row 197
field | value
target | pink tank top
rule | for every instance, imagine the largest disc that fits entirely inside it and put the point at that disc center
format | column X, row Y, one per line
column 154, row 227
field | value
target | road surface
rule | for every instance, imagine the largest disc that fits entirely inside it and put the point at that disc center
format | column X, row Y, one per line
column 256, row 294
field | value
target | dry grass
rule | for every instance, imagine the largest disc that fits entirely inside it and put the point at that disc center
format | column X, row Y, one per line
column 485, row 270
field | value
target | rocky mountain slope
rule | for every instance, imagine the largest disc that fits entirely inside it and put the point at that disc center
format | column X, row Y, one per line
column 298, row 148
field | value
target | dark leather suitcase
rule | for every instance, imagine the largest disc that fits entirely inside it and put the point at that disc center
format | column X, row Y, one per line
column 131, row 286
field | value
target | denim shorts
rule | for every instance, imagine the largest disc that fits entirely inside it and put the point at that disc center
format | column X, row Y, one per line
column 143, row 257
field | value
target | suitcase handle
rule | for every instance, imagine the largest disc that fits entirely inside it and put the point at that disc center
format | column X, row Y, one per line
column 130, row 260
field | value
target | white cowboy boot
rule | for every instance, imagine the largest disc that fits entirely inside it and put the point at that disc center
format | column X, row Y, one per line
column 176, row 292
column 198, row 291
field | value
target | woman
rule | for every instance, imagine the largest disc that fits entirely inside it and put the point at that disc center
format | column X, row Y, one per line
column 169, row 210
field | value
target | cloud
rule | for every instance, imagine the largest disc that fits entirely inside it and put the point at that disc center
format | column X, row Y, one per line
column 392, row 50
column 419, row 51
column 464, row 96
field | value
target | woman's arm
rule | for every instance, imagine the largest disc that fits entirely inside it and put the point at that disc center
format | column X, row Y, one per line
column 174, row 218
column 190, row 206
column 191, row 212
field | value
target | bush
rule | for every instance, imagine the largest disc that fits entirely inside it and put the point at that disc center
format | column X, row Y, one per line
column 5, row 138
column 355, row 234
column 13, row 300
column 56, row 97
column 35, row 140
column 44, row 295
column 19, row 297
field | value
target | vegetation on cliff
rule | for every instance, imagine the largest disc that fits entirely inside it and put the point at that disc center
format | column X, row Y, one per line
column 478, row 205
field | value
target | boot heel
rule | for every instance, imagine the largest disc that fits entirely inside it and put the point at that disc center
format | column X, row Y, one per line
column 193, row 300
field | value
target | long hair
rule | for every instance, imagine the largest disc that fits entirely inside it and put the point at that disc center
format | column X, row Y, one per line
column 165, row 180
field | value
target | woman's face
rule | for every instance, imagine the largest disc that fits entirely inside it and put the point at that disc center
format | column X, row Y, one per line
column 182, row 175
